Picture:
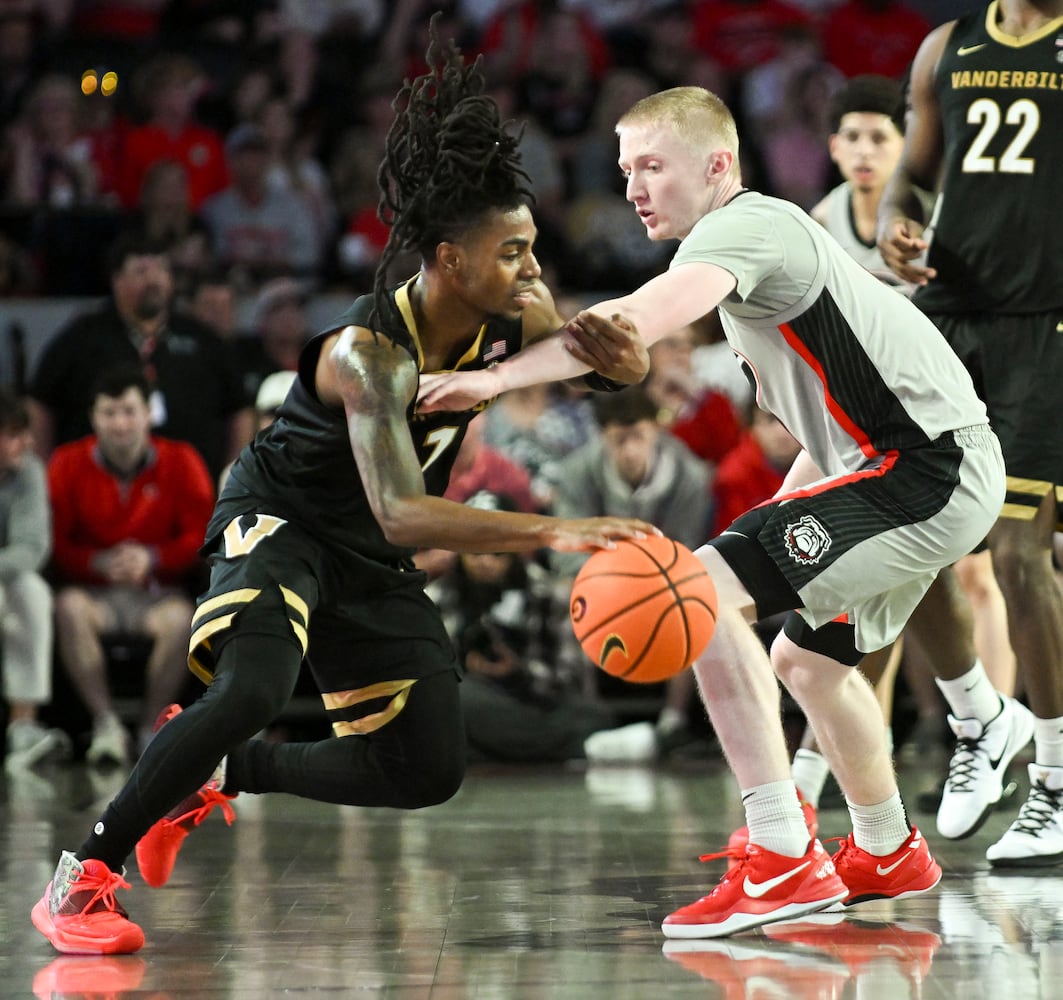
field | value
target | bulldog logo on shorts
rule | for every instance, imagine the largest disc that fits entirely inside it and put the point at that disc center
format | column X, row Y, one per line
column 807, row 540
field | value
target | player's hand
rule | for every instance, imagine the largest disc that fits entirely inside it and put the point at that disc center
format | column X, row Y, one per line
column 612, row 347
column 591, row 533
column 452, row 391
column 901, row 243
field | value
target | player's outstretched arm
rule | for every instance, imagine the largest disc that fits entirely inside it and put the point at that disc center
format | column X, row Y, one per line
column 375, row 380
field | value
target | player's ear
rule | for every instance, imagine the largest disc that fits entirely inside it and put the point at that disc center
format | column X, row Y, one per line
column 719, row 166
column 448, row 257
column 832, row 146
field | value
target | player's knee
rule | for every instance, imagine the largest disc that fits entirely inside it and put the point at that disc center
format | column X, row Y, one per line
column 438, row 781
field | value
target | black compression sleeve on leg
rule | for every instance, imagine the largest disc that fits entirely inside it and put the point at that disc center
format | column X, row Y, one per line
column 255, row 677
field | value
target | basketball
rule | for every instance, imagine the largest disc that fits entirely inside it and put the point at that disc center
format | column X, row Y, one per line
column 645, row 610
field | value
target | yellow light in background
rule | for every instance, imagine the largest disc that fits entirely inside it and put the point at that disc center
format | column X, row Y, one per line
column 88, row 81
column 109, row 83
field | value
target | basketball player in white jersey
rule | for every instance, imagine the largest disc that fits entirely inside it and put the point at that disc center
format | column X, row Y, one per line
column 914, row 479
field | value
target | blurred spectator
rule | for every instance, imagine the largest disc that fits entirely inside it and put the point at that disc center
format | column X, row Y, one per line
column 25, row 598
column 164, row 215
column 794, row 151
column 47, row 157
column 753, row 470
column 702, row 418
column 500, row 613
column 517, row 40
column 766, row 88
column 634, row 468
column 537, row 426
column 353, row 173
column 257, row 231
column 132, row 20
column 212, row 301
column 279, row 329
column 167, row 89
column 668, row 46
column 741, row 34
column 290, row 144
column 873, row 36
column 21, row 55
column 129, row 513
column 196, row 394
column 566, row 60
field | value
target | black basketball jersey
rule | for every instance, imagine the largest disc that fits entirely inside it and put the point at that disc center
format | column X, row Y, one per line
column 302, row 469
column 997, row 242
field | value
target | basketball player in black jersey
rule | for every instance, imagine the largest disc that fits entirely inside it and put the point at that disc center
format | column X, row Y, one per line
column 312, row 540
column 986, row 121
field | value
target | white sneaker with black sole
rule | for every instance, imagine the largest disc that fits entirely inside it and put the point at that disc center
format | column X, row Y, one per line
column 1035, row 839
column 978, row 766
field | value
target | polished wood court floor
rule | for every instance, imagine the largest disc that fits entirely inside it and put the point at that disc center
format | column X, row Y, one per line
column 530, row 883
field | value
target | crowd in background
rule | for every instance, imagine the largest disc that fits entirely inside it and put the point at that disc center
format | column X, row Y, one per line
column 179, row 158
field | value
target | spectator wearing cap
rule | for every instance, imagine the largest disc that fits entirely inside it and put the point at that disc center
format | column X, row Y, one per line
column 279, row 328
column 259, row 231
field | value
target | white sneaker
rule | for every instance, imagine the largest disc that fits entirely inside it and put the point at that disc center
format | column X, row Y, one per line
column 634, row 744
column 110, row 742
column 979, row 762
column 29, row 743
column 1036, row 837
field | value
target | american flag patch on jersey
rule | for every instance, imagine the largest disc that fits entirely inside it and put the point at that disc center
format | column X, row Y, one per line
column 497, row 350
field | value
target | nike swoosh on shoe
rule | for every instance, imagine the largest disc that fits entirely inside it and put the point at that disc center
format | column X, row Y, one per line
column 758, row 889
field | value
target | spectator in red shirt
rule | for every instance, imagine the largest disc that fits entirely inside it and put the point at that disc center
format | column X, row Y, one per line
column 741, row 34
column 873, row 36
column 168, row 88
column 128, row 516
column 753, row 470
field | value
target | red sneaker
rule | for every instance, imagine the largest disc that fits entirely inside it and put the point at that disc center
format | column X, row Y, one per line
column 157, row 850
column 761, row 888
column 864, row 945
column 908, row 871
column 79, row 914
column 738, row 840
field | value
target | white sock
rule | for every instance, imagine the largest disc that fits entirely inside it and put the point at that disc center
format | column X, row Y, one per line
column 774, row 817
column 1048, row 742
column 972, row 696
column 809, row 771
column 882, row 828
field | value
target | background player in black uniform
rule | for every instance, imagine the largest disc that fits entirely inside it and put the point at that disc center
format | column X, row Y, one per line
column 986, row 120
column 313, row 536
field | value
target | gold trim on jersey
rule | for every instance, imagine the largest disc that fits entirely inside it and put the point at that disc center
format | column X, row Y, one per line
column 399, row 691
column 1017, row 41
column 405, row 307
column 205, row 624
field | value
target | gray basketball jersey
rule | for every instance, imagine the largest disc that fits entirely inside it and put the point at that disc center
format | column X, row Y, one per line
column 838, row 221
column 854, row 370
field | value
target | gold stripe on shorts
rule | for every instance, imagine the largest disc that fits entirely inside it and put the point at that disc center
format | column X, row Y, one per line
column 399, row 691
column 1024, row 496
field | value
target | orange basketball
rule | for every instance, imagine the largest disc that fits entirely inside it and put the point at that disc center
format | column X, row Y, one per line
column 645, row 610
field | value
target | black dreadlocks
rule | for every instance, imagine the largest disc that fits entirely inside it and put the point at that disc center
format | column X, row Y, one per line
column 448, row 160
